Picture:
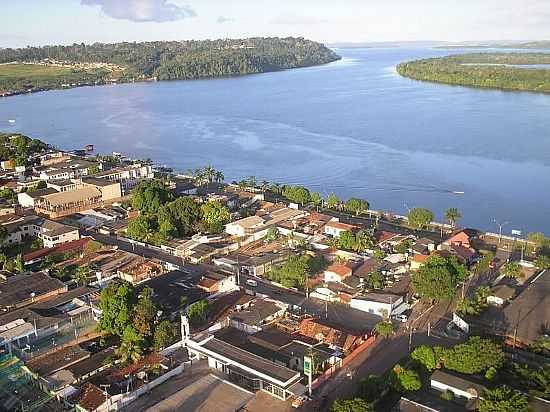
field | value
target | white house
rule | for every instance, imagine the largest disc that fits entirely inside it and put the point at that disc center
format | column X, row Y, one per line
column 460, row 387
column 52, row 233
column 337, row 273
column 382, row 304
column 246, row 226
column 335, row 228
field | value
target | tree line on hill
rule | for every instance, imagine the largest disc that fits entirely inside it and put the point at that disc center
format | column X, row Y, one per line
column 486, row 70
column 171, row 60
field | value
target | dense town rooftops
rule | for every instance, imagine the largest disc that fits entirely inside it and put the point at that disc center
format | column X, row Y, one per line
column 23, row 288
column 388, row 298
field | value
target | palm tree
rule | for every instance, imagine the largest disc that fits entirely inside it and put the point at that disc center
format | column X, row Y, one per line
column 264, row 185
column 130, row 348
column 81, row 275
column 219, row 176
column 209, row 173
column 453, row 215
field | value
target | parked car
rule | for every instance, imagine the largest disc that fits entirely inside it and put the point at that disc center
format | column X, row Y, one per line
column 252, row 283
column 401, row 317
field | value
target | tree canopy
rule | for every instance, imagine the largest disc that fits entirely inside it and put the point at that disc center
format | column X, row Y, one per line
column 150, row 195
column 404, row 379
column 420, row 217
column 438, row 278
column 355, row 205
column 116, row 302
column 503, row 399
column 351, row 405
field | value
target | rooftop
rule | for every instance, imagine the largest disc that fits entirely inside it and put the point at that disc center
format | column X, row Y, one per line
column 250, row 360
column 20, row 288
column 72, row 196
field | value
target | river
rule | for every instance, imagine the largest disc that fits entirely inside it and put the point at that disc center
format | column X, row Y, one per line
column 352, row 127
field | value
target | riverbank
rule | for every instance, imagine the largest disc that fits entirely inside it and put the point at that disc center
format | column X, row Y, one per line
column 502, row 71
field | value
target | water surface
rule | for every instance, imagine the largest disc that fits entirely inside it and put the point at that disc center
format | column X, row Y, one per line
column 352, row 127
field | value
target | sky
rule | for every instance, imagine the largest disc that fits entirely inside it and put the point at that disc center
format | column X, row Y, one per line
column 39, row 22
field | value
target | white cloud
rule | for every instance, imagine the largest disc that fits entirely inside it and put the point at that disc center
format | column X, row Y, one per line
column 142, row 10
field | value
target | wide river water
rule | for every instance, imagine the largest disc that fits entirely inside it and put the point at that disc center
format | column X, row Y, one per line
column 353, row 127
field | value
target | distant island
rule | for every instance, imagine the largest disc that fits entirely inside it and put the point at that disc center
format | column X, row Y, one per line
column 538, row 44
column 33, row 69
column 505, row 71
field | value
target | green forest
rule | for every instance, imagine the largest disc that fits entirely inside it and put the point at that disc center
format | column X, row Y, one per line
column 486, row 70
column 163, row 60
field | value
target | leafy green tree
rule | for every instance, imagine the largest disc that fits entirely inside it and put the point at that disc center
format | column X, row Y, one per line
column 81, row 275
column 333, row 201
column 372, row 388
column 131, row 345
column 425, row 355
column 384, row 329
column 363, row 241
column 542, row 262
column 375, row 280
column 145, row 312
column 474, row 356
column 541, row 345
column 182, row 217
column 297, row 194
column 503, row 399
column 143, row 228
column 484, row 264
column 346, row 240
column 438, row 278
column 475, row 306
column 272, row 234
column 538, row 238
column 357, row 206
column 19, row 263
column 351, row 405
column 452, row 215
column 292, row 273
column 379, row 253
column 166, row 333
column 198, row 312
column 215, row 216
column 405, row 380
column 316, row 199
column 404, row 246
column 512, row 270
column 150, row 195
column 420, row 217
column 116, row 302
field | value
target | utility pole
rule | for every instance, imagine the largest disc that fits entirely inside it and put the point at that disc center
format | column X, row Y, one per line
column 500, row 225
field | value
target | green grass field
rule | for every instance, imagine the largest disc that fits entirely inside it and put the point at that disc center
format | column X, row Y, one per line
column 31, row 71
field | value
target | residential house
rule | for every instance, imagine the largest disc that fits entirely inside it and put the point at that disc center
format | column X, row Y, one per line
column 253, row 316
column 140, row 269
column 460, row 386
column 335, row 228
column 335, row 336
column 501, row 294
column 28, row 199
column 378, row 303
column 337, row 272
column 216, row 282
column 21, row 228
column 65, row 203
column 24, row 289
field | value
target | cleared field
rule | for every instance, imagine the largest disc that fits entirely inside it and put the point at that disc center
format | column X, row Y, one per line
column 31, row 71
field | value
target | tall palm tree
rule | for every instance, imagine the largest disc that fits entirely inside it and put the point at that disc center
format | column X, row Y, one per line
column 453, row 215
column 264, row 185
column 219, row 176
column 291, row 239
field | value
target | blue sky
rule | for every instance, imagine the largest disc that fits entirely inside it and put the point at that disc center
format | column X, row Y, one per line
column 36, row 22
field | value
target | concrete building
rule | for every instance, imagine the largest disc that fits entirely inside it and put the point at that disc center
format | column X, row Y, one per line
column 66, row 203
column 335, row 228
column 244, row 367
column 127, row 176
column 459, row 386
column 52, row 233
column 381, row 304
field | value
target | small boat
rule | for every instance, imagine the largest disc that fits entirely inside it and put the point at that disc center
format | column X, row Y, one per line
column 89, row 147
column 11, row 121
column 457, row 192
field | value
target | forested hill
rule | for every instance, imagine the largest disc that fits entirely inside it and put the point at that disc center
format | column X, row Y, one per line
column 506, row 71
column 167, row 60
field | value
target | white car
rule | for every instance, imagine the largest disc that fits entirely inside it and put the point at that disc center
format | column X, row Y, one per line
column 299, row 401
column 401, row 318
